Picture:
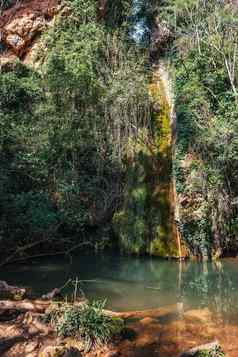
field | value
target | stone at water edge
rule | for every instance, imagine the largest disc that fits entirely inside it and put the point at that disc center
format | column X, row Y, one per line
column 208, row 347
column 72, row 352
column 10, row 291
column 54, row 294
column 113, row 354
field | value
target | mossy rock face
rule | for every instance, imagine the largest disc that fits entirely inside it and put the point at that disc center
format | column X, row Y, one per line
column 145, row 223
column 212, row 349
column 132, row 232
column 164, row 249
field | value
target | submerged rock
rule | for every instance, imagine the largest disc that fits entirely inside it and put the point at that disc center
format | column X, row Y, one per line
column 212, row 349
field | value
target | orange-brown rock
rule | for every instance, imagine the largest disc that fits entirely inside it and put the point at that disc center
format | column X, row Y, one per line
column 160, row 332
column 23, row 22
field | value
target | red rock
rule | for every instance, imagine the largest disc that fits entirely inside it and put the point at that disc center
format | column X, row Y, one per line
column 20, row 24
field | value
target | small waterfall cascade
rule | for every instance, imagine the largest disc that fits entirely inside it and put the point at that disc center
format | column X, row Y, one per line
column 146, row 222
column 163, row 84
column 161, row 90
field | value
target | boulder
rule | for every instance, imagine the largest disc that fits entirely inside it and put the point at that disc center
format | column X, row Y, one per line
column 60, row 351
column 214, row 348
column 20, row 31
column 9, row 291
column 54, row 294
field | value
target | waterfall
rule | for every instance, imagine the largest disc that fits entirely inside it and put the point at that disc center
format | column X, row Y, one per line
column 146, row 222
column 139, row 27
column 164, row 70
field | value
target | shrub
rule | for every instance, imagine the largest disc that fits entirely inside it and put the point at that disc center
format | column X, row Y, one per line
column 86, row 321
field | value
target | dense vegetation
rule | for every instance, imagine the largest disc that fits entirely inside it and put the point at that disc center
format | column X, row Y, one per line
column 203, row 52
column 64, row 131
column 205, row 58
column 86, row 322
column 71, row 133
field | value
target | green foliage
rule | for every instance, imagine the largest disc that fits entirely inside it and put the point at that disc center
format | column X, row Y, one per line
column 85, row 10
column 18, row 90
column 144, row 221
column 118, row 13
column 207, row 119
column 35, row 211
column 86, row 321
column 64, row 130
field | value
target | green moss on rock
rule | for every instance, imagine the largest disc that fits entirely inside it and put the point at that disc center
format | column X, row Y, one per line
column 145, row 223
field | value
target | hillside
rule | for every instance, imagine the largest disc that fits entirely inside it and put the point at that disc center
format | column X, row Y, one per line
column 99, row 148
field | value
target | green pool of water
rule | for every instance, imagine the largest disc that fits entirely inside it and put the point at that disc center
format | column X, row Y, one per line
column 130, row 283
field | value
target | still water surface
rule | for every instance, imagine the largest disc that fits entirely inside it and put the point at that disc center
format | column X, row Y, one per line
column 192, row 303
column 130, row 283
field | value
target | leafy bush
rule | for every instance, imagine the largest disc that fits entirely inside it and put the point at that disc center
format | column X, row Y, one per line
column 206, row 106
column 64, row 130
column 87, row 322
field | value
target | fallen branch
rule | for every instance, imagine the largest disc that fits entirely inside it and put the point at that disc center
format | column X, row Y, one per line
column 21, row 250
column 25, row 305
column 11, row 260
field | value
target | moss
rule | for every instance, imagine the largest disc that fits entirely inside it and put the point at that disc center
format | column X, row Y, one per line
column 144, row 223
column 132, row 231
column 158, row 247
column 163, row 248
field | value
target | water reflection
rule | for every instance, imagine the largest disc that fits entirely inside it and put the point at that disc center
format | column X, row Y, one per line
column 139, row 283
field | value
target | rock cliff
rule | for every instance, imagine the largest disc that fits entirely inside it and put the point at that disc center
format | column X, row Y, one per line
column 21, row 24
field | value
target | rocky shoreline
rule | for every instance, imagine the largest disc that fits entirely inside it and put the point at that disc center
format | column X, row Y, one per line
column 166, row 331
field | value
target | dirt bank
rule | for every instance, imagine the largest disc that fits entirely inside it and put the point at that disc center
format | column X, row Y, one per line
column 163, row 332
